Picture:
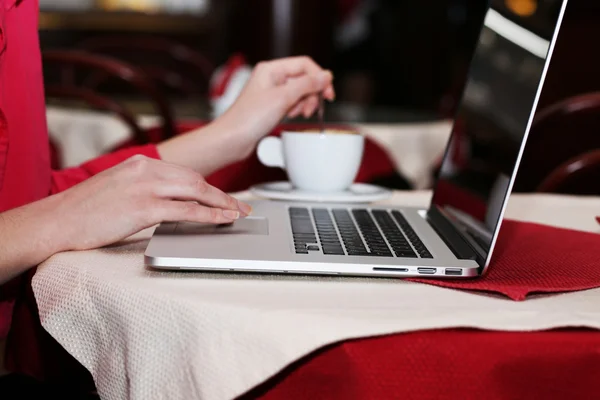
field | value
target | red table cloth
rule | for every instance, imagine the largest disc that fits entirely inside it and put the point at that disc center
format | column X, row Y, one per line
column 532, row 258
column 447, row 364
column 468, row 363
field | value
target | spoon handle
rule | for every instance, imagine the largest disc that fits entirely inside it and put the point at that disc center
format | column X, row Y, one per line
column 321, row 112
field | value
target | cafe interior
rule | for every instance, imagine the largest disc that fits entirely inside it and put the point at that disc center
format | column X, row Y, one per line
column 398, row 66
column 122, row 73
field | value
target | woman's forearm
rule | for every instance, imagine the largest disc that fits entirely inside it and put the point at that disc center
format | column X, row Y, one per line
column 207, row 149
column 28, row 236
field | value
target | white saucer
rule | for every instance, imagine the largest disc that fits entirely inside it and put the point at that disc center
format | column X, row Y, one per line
column 357, row 193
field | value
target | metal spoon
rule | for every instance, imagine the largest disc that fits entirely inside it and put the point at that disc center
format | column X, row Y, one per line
column 321, row 113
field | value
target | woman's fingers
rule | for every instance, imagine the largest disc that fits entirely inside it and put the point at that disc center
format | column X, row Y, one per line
column 168, row 181
column 200, row 191
column 294, row 66
column 329, row 93
column 307, row 107
column 299, row 90
column 310, row 106
column 296, row 110
column 193, row 212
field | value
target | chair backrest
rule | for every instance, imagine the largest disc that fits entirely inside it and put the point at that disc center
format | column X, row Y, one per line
column 173, row 65
column 580, row 175
column 100, row 102
column 69, row 61
column 560, row 132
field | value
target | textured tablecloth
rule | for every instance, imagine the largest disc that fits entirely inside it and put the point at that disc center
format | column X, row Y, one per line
column 163, row 335
column 82, row 135
column 415, row 148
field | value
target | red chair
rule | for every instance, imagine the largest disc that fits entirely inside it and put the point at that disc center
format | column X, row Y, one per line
column 175, row 67
column 579, row 175
column 68, row 62
column 559, row 132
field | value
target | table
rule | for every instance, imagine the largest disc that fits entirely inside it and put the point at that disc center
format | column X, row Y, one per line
column 415, row 147
column 146, row 334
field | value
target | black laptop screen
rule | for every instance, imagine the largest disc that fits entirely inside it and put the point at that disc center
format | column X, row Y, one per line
column 492, row 119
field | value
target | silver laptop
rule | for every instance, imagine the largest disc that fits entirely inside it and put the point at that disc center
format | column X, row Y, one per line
column 453, row 238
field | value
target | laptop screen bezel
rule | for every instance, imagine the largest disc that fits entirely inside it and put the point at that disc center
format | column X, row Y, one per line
column 484, row 259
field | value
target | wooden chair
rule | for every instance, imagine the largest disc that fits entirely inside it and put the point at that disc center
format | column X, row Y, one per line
column 560, row 132
column 68, row 62
column 68, row 87
column 579, row 175
column 175, row 67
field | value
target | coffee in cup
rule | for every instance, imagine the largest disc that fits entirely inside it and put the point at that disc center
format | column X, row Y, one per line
column 315, row 161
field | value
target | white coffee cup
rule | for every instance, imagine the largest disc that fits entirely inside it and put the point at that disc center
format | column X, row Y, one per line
column 314, row 161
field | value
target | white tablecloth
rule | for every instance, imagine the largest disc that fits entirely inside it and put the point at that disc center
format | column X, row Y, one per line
column 162, row 335
column 414, row 148
column 83, row 135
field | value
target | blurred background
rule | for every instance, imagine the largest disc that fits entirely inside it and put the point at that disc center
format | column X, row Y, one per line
column 395, row 61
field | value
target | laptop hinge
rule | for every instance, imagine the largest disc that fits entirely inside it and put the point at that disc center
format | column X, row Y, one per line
column 452, row 236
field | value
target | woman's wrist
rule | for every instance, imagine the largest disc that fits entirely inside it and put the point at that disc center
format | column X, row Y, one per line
column 208, row 148
column 47, row 227
column 28, row 236
column 237, row 137
column 57, row 228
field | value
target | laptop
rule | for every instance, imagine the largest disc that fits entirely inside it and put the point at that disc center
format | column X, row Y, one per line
column 454, row 237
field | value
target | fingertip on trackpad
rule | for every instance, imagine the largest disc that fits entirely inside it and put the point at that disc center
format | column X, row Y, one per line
column 243, row 226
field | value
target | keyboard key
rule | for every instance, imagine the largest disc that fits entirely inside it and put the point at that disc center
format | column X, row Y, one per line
column 337, row 251
column 302, row 229
column 359, row 253
column 307, row 239
column 299, row 212
column 406, row 254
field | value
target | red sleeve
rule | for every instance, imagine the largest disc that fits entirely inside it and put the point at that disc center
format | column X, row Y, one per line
column 64, row 179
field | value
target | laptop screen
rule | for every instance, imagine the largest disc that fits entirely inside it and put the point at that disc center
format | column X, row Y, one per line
column 491, row 123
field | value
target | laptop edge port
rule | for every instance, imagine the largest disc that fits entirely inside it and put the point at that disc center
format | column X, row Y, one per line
column 427, row 271
column 390, row 269
column 453, row 272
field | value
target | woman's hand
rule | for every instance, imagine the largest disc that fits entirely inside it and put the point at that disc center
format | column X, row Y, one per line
column 288, row 86
column 137, row 194
column 134, row 195
column 279, row 88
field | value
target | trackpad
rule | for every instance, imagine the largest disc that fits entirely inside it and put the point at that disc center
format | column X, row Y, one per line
column 244, row 226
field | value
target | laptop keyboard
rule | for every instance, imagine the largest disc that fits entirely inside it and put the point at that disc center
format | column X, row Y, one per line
column 355, row 232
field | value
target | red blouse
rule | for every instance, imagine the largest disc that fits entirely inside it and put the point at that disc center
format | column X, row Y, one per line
column 25, row 173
